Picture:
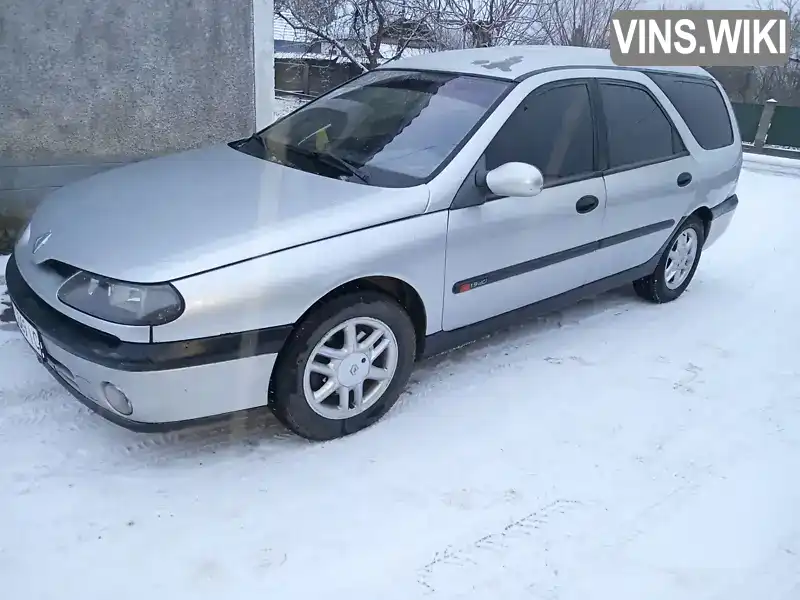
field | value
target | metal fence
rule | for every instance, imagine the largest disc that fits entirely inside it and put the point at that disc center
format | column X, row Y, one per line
column 784, row 129
column 311, row 77
column 748, row 116
column 769, row 128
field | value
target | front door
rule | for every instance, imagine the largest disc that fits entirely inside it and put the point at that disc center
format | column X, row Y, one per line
column 509, row 252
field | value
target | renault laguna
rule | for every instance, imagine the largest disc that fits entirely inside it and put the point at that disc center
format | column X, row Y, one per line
column 411, row 210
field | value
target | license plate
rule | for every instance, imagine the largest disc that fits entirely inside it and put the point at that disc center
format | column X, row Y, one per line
column 29, row 332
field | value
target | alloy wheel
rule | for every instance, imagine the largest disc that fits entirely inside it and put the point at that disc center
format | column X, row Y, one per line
column 350, row 368
column 681, row 259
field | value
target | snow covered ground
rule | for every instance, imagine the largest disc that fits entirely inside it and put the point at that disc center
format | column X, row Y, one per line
column 617, row 450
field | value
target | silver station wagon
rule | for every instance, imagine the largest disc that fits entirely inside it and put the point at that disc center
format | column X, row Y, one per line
column 411, row 210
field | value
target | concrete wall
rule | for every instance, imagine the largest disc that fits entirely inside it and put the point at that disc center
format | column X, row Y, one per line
column 88, row 84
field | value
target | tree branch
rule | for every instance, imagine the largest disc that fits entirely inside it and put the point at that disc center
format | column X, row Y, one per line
column 303, row 25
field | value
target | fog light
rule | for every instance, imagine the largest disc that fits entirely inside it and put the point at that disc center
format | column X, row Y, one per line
column 116, row 399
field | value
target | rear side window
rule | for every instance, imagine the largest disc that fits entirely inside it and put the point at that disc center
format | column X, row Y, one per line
column 552, row 130
column 701, row 106
column 637, row 129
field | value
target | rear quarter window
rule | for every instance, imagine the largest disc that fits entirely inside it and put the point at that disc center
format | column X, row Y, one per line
column 702, row 108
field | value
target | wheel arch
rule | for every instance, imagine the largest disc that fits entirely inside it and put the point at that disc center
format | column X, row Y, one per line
column 399, row 290
column 704, row 214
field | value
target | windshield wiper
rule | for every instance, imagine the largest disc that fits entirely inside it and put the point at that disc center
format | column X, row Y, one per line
column 238, row 144
column 331, row 160
column 258, row 137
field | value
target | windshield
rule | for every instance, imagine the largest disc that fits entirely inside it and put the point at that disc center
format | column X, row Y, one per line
column 389, row 128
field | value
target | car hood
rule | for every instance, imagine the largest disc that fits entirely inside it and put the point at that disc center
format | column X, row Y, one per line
column 174, row 216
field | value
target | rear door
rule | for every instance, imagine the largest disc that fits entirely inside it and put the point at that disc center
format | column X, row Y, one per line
column 648, row 176
column 505, row 253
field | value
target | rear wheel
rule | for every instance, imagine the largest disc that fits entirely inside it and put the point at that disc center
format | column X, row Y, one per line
column 344, row 367
column 677, row 266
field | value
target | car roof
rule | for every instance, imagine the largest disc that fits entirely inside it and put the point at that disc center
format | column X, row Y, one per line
column 516, row 62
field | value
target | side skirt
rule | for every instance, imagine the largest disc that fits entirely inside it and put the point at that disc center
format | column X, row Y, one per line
column 444, row 341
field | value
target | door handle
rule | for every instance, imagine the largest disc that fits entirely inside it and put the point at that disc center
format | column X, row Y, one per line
column 684, row 179
column 587, row 204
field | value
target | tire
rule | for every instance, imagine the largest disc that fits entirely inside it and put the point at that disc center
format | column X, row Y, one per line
column 289, row 392
column 656, row 287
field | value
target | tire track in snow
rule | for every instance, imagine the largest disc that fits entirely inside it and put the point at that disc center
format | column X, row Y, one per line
column 488, row 557
column 129, row 451
column 32, row 408
column 528, row 566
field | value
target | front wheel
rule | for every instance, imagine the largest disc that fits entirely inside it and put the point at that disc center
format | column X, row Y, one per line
column 677, row 266
column 344, row 367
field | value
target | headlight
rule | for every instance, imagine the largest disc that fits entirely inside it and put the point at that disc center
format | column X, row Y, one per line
column 120, row 302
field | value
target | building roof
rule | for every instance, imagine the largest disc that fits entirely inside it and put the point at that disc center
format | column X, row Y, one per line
column 511, row 62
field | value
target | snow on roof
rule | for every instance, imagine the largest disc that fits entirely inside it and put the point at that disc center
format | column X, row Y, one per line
column 340, row 58
column 285, row 32
column 387, row 50
column 299, row 56
column 510, row 62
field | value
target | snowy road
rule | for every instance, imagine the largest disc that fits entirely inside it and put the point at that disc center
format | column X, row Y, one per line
column 617, row 450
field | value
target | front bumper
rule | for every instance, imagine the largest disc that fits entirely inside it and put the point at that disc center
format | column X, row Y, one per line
column 169, row 385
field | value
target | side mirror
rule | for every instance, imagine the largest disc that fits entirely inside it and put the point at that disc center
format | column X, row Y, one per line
column 515, row 179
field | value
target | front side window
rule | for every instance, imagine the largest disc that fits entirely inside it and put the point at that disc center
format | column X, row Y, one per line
column 638, row 130
column 386, row 128
column 551, row 130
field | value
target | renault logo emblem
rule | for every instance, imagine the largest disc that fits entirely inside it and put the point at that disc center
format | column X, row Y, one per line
column 41, row 241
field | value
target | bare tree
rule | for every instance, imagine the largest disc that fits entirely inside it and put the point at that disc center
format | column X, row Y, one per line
column 580, row 22
column 691, row 5
column 365, row 32
column 482, row 23
column 782, row 83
